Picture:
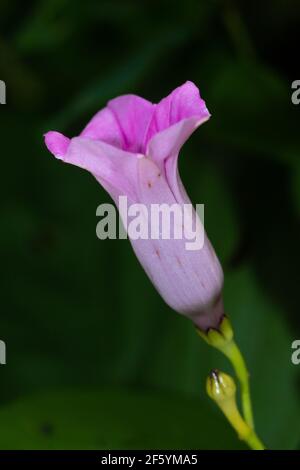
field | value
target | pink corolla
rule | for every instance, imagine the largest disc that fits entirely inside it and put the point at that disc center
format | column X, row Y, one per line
column 131, row 147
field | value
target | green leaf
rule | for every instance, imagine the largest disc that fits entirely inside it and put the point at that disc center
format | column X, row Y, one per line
column 113, row 419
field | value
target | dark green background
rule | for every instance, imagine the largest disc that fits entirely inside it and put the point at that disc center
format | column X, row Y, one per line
column 95, row 359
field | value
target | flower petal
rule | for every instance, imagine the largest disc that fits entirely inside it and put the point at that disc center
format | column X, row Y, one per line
column 123, row 123
column 133, row 114
column 129, row 122
column 169, row 264
column 175, row 119
column 169, row 141
column 104, row 126
column 183, row 103
column 57, row 143
column 115, row 169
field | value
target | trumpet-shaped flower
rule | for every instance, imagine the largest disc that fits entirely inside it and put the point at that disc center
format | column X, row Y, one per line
column 131, row 147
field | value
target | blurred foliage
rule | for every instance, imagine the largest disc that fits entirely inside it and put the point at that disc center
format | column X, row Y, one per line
column 78, row 315
column 111, row 419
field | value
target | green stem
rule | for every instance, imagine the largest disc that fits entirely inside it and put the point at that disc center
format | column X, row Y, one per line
column 233, row 353
column 254, row 442
column 222, row 338
column 244, row 431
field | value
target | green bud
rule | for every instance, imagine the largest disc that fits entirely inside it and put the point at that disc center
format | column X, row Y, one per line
column 221, row 389
column 220, row 386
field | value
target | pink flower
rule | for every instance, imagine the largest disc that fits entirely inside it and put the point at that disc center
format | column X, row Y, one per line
column 131, row 147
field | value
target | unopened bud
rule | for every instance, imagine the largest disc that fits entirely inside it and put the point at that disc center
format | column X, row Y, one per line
column 220, row 386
